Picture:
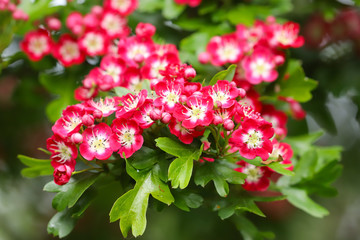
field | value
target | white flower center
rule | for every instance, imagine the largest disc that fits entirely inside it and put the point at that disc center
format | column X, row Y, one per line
column 120, row 4
column 111, row 23
column 99, row 143
column 260, row 68
column 137, row 49
column 253, row 139
column 63, row 152
column 171, row 98
column 114, row 71
column 228, row 52
column 197, row 112
column 69, row 50
column 126, row 137
column 38, row 45
column 72, row 122
column 253, row 173
column 93, row 42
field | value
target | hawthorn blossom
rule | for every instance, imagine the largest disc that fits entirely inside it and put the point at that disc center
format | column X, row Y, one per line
column 184, row 134
column 142, row 116
column 37, row 44
column 198, row 111
column 62, row 151
column 126, row 138
column 223, row 93
column 67, row 51
column 123, row 7
column 277, row 118
column 62, row 174
column 94, row 42
column 286, row 35
column 253, row 139
column 114, row 25
column 70, row 121
column 106, row 106
column 130, row 103
column 96, row 142
column 169, row 94
column 284, row 150
column 257, row 177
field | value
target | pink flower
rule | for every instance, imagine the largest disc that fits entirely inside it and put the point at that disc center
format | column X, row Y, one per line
column 277, row 118
column 111, row 69
column 96, row 142
column 114, row 25
column 126, row 137
column 155, row 64
column 169, row 94
column 135, row 50
column 70, row 122
column 53, row 23
column 260, row 66
column 142, row 116
column 94, row 43
column 284, row 150
column 191, row 3
column 253, row 139
column 106, row 107
column 286, row 36
column 223, row 93
column 225, row 49
column 75, row 23
column 67, row 51
column 185, row 135
column 62, row 174
column 198, row 111
column 37, row 44
column 123, row 7
column 62, row 151
column 130, row 103
column 257, row 177
column 145, row 30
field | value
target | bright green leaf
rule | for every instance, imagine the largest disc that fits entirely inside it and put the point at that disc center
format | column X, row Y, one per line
column 281, row 168
column 301, row 144
column 68, row 194
column 301, row 200
column 180, row 171
column 177, row 148
column 150, row 5
column 131, row 207
column 121, row 91
column 36, row 167
column 227, row 74
column 243, row 204
column 172, row 10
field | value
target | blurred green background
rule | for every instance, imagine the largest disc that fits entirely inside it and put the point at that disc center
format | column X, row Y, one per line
column 331, row 59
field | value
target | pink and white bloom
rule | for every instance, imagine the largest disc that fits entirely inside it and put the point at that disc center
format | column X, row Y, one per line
column 260, row 66
column 225, row 49
column 223, row 93
column 154, row 64
column 126, row 138
column 135, row 50
column 94, row 43
column 123, row 7
column 277, row 118
column 286, row 36
column 142, row 116
column 145, row 30
column 185, row 135
column 70, row 122
column 67, row 51
column 62, row 174
column 37, row 44
column 130, row 103
column 169, row 95
column 114, row 25
column 253, row 139
column 257, row 177
column 113, row 67
column 284, row 150
column 106, row 106
column 96, row 142
column 198, row 111
column 62, row 151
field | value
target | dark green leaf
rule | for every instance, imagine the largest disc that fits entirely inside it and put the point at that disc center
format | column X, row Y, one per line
column 227, row 74
column 246, row 14
column 36, row 167
column 186, row 200
column 146, row 157
column 243, row 204
column 300, row 199
column 248, row 230
column 68, row 194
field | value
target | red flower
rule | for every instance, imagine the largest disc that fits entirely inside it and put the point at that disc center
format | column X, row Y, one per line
column 70, row 122
column 223, row 93
column 67, row 51
column 257, row 177
column 37, row 44
column 62, row 174
column 96, row 142
column 126, row 137
column 253, row 139
column 62, row 151
column 286, row 36
column 94, row 43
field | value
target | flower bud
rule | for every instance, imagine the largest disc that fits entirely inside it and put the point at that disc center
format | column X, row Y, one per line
column 204, row 57
column 97, row 114
column 217, row 120
column 241, row 92
column 189, row 72
column 183, row 98
column 145, row 30
column 229, row 125
column 62, row 174
column 53, row 23
column 165, row 118
column 76, row 138
column 155, row 114
column 88, row 120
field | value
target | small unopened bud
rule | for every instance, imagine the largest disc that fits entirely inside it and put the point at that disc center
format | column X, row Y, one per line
column 88, row 120
column 183, row 98
column 76, row 138
column 53, row 23
column 217, row 120
column 145, row 30
column 229, row 125
column 97, row 114
column 155, row 114
column 189, row 73
column 204, row 57
column 165, row 118
column 97, row 10
column 241, row 92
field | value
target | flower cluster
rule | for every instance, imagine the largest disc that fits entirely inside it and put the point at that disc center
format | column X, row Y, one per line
column 90, row 35
column 256, row 49
column 17, row 13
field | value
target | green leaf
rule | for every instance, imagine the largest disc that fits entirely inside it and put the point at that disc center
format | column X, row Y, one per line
column 305, row 167
column 146, row 157
column 220, row 173
column 131, row 207
column 297, row 86
column 227, row 74
column 62, row 223
column 186, row 200
column 36, row 167
column 243, row 204
column 301, row 144
column 172, row 10
column 300, row 199
column 246, row 14
column 121, row 91
column 177, row 148
column 281, row 168
column 180, row 171
column 68, row 194
column 248, row 230
column 150, row 5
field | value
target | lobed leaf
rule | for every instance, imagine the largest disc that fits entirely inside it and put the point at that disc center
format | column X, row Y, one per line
column 36, row 167
column 227, row 74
